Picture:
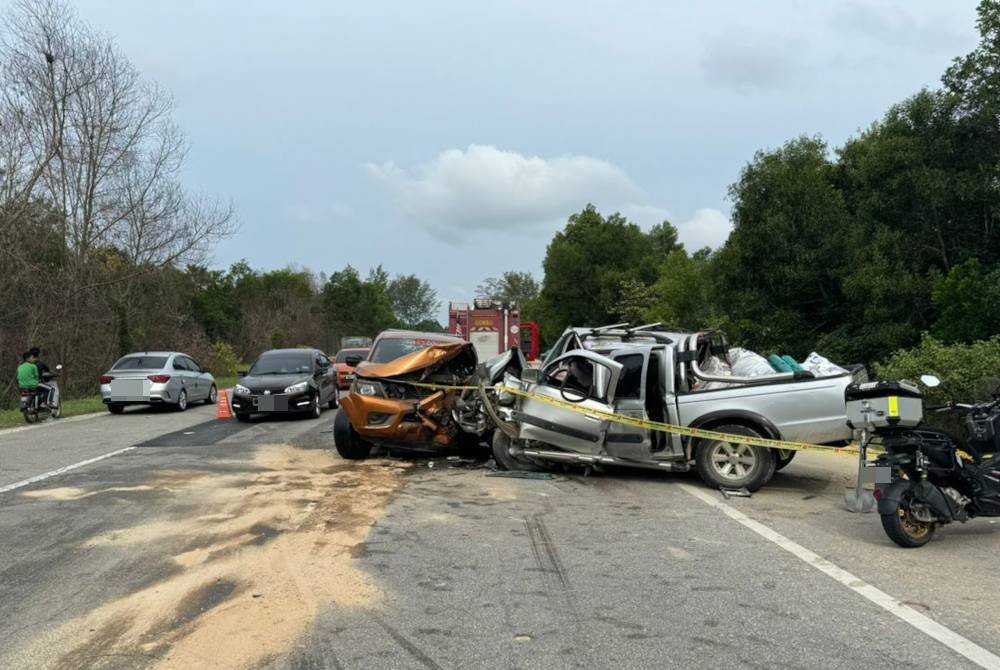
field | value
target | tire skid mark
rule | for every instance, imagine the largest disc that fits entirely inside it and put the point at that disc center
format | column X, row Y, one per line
column 412, row 649
column 550, row 565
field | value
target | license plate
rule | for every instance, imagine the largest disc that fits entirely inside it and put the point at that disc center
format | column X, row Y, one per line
column 270, row 403
column 130, row 389
column 877, row 474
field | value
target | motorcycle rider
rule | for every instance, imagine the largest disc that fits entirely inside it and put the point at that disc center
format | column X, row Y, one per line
column 44, row 374
column 27, row 376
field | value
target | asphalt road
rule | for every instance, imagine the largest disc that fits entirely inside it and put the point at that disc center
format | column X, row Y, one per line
column 219, row 544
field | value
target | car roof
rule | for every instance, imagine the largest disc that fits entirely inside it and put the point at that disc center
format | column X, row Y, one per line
column 354, row 349
column 293, row 350
column 395, row 334
column 154, row 353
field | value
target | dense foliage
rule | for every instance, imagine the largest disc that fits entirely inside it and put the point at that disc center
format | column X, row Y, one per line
column 884, row 249
column 854, row 252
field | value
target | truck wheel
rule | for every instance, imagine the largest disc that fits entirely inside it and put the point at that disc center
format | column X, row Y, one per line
column 349, row 444
column 508, row 461
column 783, row 458
column 733, row 465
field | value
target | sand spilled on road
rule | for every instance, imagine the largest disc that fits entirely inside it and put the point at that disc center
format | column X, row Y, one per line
column 266, row 551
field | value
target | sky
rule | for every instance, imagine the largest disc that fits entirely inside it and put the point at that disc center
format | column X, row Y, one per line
column 452, row 139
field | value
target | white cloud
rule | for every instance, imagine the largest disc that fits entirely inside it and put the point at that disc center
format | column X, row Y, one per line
column 486, row 188
column 707, row 227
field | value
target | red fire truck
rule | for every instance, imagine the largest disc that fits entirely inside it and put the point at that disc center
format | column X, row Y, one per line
column 493, row 327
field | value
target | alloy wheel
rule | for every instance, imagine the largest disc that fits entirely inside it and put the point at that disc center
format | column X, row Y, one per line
column 733, row 461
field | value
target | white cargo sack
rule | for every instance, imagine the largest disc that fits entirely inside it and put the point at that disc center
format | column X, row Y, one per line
column 820, row 366
column 748, row 364
column 716, row 367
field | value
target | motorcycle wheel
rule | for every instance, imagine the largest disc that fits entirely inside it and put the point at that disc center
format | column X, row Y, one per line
column 905, row 530
column 30, row 417
column 55, row 411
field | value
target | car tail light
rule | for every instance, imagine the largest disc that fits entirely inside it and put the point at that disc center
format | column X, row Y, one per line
column 106, row 379
column 159, row 379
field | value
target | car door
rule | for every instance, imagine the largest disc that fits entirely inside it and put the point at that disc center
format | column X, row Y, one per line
column 323, row 377
column 583, row 378
column 636, row 381
column 190, row 377
column 201, row 378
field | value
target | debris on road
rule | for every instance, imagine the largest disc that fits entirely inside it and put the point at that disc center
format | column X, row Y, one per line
column 252, row 521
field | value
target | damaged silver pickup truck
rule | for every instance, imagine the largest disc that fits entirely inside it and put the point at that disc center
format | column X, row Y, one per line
column 665, row 377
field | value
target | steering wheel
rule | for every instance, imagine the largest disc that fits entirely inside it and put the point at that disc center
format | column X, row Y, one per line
column 562, row 391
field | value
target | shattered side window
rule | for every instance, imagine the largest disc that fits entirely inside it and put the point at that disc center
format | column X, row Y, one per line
column 630, row 380
column 573, row 374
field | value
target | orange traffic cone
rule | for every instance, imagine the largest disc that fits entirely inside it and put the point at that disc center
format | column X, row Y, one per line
column 225, row 412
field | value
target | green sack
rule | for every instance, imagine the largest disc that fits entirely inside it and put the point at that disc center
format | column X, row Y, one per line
column 778, row 363
column 793, row 364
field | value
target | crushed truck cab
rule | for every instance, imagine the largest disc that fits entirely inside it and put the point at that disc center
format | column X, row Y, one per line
column 664, row 377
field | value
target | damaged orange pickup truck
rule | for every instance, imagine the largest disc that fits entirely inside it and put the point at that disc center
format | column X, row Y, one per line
column 384, row 407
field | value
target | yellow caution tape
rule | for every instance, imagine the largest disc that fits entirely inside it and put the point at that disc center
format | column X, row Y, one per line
column 698, row 433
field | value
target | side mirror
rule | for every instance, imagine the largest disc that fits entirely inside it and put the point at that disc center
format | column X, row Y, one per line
column 243, row 373
column 930, row 381
column 353, row 360
column 531, row 375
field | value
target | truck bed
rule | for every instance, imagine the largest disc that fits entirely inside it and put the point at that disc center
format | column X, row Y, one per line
column 807, row 410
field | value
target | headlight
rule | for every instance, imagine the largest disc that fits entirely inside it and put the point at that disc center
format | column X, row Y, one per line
column 368, row 388
column 240, row 389
column 297, row 388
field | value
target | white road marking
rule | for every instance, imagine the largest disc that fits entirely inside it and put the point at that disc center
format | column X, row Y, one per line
column 53, row 422
column 53, row 473
column 970, row 650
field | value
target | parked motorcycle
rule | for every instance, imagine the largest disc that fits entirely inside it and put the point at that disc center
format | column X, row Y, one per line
column 31, row 403
column 928, row 477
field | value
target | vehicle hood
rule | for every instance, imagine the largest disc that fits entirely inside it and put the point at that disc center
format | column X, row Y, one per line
column 254, row 382
column 425, row 360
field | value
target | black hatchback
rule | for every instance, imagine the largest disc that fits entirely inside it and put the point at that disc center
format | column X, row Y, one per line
column 286, row 381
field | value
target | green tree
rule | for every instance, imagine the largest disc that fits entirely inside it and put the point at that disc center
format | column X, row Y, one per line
column 968, row 302
column 683, row 296
column 519, row 288
column 352, row 306
column 413, row 300
column 778, row 276
column 585, row 265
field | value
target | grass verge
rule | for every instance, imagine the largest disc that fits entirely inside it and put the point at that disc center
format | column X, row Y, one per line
column 10, row 418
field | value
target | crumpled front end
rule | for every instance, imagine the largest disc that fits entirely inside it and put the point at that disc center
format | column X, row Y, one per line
column 385, row 406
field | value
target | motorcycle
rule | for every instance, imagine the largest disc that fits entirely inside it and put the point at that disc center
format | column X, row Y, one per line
column 31, row 403
column 928, row 477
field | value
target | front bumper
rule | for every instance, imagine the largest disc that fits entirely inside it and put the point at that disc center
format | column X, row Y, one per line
column 385, row 420
column 274, row 403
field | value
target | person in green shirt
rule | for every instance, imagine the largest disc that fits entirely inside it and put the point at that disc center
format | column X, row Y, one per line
column 27, row 376
column 27, row 373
